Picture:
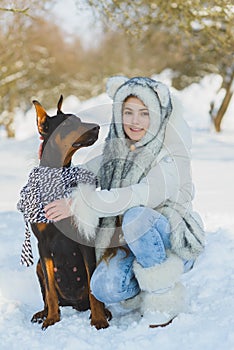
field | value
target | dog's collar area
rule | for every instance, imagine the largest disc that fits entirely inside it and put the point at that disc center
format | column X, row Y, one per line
column 44, row 186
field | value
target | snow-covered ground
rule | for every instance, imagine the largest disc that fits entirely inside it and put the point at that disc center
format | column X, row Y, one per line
column 209, row 323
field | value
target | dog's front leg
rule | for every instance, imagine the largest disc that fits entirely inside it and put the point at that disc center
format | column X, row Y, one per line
column 40, row 316
column 51, row 296
column 99, row 314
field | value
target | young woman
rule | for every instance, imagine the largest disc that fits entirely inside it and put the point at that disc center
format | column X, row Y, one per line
column 141, row 217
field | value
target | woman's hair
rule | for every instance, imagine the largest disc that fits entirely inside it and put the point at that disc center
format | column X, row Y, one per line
column 111, row 252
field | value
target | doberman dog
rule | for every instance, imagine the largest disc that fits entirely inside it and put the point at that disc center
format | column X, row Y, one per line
column 65, row 266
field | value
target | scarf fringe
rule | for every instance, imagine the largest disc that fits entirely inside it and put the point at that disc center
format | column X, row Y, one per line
column 26, row 253
column 187, row 232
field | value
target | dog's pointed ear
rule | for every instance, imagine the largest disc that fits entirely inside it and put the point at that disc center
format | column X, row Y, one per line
column 59, row 105
column 41, row 117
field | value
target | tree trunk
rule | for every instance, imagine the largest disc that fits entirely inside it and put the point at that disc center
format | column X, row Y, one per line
column 223, row 108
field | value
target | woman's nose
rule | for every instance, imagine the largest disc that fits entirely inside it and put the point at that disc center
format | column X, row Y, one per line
column 135, row 118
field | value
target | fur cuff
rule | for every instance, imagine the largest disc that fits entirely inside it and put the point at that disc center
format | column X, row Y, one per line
column 172, row 302
column 84, row 216
column 160, row 276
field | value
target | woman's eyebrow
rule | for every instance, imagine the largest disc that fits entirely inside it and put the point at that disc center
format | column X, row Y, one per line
column 141, row 109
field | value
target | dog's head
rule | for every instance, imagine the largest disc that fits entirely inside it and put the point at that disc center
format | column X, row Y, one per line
column 63, row 134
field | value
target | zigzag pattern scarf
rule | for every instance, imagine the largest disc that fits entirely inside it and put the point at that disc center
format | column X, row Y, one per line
column 44, row 186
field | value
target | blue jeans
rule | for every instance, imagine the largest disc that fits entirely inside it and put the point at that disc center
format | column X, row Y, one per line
column 147, row 234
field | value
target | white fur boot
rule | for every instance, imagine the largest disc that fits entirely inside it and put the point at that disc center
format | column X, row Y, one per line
column 163, row 296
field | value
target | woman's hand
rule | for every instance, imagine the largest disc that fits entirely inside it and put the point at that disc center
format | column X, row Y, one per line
column 58, row 210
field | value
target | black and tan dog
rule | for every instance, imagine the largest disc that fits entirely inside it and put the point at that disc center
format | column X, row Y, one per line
column 65, row 266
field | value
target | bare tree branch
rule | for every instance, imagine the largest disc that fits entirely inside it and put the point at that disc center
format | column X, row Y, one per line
column 15, row 10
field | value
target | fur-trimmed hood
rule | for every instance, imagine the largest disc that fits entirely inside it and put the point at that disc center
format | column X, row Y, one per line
column 155, row 96
column 119, row 162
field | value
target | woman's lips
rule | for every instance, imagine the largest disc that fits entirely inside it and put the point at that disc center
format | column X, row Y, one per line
column 136, row 129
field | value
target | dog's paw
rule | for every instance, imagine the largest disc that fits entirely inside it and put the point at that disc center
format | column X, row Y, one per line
column 100, row 324
column 39, row 317
column 50, row 322
column 42, row 317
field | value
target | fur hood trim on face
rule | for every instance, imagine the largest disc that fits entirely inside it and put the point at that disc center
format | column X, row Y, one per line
column 155, row 96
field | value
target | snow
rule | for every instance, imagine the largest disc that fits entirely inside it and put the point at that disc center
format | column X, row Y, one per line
column 208, row 324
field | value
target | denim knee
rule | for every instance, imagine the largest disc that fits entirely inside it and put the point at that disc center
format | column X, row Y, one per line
column 147, row 234
column 114, row 281
column 98, row 286
column 139, row 220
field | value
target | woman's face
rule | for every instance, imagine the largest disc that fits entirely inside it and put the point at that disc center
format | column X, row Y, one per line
column 135, row 118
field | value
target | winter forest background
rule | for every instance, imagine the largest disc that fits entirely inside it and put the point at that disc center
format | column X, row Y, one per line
column 103, row 38
column 71, row 47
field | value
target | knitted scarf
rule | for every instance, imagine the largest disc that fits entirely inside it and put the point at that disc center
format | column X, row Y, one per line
column 44, row 186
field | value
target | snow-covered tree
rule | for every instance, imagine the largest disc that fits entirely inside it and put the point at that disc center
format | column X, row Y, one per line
column 203, row 29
